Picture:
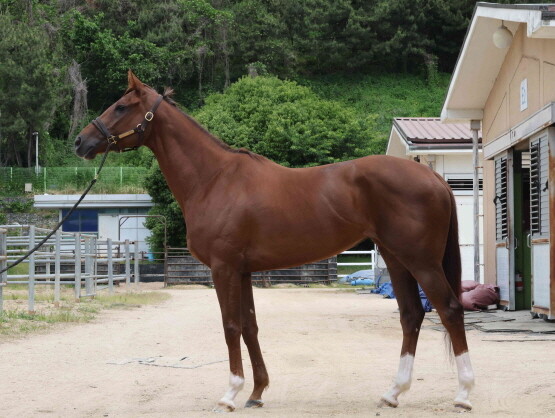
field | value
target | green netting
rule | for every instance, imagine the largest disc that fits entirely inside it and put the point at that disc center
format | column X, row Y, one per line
column 71, row 180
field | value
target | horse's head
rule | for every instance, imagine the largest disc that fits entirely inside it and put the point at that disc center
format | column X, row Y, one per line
column 123, row 124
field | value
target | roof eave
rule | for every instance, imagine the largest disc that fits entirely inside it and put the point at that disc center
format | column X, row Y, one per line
column 536, row 26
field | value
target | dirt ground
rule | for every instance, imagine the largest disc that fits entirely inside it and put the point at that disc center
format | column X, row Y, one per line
column 329, row 353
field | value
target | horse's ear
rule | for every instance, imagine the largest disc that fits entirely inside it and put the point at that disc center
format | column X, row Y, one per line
column 133, row 83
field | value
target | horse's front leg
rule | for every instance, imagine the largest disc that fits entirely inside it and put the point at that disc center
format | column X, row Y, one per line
column 227, row 282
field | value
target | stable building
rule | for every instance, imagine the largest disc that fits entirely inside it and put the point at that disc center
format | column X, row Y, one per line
column 505, row 79
column 447, row 149
column 115, row 216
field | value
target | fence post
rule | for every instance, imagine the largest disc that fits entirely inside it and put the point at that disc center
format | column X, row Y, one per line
column 94, row 259
column 3, row 265
column 137, row 276
column 127, row 265
column 77, row 266
column 88, row 267
column 57, row 249
column 110, row 266
column 44, row 179
column 31, row 282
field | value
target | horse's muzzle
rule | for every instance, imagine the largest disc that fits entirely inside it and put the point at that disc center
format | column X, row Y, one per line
column 84, row 149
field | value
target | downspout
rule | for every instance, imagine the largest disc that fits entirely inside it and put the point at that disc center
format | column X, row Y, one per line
column 475, row 127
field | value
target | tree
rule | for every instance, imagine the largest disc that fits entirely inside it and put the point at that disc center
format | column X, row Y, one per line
column 166, row 205
column 285, row 122
column 32, row 86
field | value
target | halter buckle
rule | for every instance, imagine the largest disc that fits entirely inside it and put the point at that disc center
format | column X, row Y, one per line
column 112, row 139
column 149, row 116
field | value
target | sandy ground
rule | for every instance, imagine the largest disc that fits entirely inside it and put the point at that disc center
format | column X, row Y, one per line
column 328, row 352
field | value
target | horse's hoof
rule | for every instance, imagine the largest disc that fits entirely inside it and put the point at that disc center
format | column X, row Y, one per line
column 254, row 403
column 463, row 403
column 224, row 406
column 388, row 401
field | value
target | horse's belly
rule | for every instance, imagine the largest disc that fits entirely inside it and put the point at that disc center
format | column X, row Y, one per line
column 296, row 245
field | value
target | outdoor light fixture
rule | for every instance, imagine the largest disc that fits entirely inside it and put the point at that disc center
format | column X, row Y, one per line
column 502, row 36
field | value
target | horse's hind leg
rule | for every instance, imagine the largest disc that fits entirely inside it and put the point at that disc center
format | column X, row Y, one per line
column 441, row 295
column 227, row 282
column 411, row 315
column 250, row 336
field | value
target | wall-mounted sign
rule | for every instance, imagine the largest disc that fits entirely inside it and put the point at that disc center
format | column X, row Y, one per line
column 524, row 94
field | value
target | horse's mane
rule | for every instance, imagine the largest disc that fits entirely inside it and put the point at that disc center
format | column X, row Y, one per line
column 167, row 95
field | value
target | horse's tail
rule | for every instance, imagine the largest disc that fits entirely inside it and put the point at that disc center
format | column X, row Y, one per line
column 452, row 256
column 452, row 262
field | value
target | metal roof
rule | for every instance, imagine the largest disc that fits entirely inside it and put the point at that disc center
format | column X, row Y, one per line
column 94, row 201
column 430, row 131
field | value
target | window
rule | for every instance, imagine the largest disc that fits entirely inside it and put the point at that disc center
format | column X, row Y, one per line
column 539, row 193
column 464, row 183
column 81, row 220
column 500, row 200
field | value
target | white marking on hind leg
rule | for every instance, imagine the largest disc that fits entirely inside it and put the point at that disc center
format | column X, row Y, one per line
column 466, row 380
column 236, row 383
column 402, row 381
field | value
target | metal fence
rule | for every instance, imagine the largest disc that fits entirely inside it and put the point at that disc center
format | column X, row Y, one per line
column 370, row 264
column 78, row 260
column 17, row 180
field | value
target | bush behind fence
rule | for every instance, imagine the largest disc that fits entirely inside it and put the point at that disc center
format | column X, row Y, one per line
column 71, row 180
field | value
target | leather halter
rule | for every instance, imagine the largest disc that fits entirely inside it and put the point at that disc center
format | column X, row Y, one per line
column 139, row 129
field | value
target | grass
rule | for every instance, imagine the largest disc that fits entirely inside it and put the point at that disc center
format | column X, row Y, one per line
column 131, row 299
column 16, row 321
column 383, row 97
column 21, row 268
column 72, row 179
column 352, row 258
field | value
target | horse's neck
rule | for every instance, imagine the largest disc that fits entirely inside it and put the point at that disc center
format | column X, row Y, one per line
column 187, row 156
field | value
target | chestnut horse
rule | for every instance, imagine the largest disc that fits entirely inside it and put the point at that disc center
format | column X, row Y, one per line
column 244, row 213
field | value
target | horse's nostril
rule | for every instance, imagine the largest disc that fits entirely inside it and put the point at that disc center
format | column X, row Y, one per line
column 78, row 141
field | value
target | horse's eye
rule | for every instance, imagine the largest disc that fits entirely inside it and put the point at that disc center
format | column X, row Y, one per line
column 120, row 107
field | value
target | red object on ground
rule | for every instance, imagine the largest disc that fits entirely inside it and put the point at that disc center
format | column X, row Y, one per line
column 480, row 297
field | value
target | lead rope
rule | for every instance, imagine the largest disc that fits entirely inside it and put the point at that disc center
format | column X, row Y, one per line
column 93, row 181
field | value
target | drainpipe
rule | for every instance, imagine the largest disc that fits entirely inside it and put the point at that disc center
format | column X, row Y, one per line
column 475, row 127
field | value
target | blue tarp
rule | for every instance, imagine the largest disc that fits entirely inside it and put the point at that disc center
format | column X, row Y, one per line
column 361, row 274
column 365, row 282
column 426, row 304
column 386, row 290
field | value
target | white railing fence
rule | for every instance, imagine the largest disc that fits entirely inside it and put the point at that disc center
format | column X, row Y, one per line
column 370, row 264
column 76, row 259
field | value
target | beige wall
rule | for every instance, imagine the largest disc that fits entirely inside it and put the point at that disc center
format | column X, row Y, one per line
column 533, row 59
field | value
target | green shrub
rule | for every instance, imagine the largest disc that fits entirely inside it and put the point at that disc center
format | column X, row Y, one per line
column 286, row 122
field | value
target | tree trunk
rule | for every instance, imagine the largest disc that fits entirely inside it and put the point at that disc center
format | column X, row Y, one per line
column 225, row 52
column 16, row 153
column 29, row 148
